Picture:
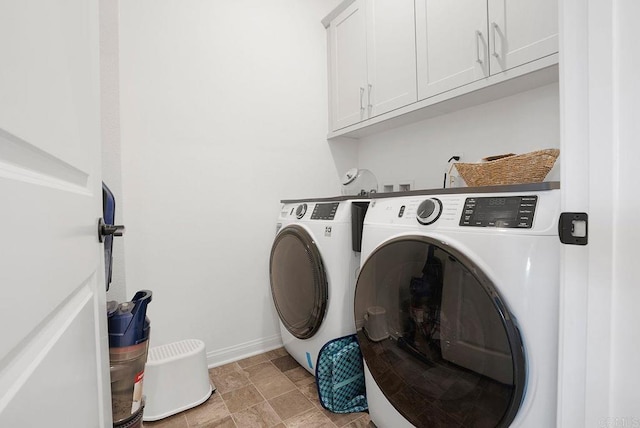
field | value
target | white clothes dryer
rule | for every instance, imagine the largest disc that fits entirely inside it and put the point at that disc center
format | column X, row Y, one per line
column 466, row 285
column 313, row 268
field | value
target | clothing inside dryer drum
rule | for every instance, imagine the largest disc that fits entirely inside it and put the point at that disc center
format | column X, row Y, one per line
column 453, row 356
column 298, row 282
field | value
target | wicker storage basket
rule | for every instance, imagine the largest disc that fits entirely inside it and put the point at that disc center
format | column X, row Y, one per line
column 513, row 169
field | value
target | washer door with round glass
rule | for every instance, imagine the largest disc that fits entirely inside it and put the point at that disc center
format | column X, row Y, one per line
column 298, row 281
column 438, row 339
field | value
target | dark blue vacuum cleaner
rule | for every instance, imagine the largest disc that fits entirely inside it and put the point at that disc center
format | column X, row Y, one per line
column 129, row 330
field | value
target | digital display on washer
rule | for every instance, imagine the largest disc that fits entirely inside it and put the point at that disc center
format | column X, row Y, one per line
column 510, row 212
column 324, row 211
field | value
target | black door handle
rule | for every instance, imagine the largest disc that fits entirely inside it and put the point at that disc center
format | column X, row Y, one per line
column 109, row 229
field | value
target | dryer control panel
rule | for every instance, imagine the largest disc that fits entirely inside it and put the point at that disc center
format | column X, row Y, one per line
column 509, row 211
column 324, row 211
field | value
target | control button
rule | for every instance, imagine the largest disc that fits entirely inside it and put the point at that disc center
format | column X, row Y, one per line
column 301, row 211
column 401, row 213
column 426, row 208
column 429, row 211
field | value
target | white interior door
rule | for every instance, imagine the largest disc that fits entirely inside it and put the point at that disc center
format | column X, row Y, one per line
column 54, row 366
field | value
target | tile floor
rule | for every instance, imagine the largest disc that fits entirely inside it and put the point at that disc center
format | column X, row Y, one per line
column 267, row 390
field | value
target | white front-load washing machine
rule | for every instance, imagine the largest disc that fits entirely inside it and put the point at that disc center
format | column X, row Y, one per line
column 314, row 263
column 456, row 306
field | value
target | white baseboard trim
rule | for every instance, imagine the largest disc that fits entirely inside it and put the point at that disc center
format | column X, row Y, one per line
column 243, row 350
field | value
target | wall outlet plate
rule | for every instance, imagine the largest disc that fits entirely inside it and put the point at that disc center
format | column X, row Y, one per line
column 398, row 186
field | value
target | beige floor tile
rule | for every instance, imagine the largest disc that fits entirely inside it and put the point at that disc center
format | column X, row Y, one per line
column 311, row 419
column 273, row 386
column 285, row 363
column 311, row 392
column 276, row 353
column 261, row 371
column 362, row 422
column 212, row 410
column 222, row 423
column 252, row 361
column 224, row 368
column 175, row 421
column 341, row 419
column 300, row 377
column 242, row 398
column 228, row 377
column 290, row 404
column 280, row 425
column 259, row 416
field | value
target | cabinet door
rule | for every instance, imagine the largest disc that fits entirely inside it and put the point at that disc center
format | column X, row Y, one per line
column 452, row 44
column 521, row 31
column 347, row 35
column 391, row 55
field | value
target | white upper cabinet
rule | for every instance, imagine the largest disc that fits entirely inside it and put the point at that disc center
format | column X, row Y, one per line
column 462, row 41
column 372, row 60
column 348, row 66
column 521, row 31
column 396, row 61
column 391, row 55
column 452, row 44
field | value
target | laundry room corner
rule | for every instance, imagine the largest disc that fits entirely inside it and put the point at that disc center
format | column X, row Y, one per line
column 223, row 114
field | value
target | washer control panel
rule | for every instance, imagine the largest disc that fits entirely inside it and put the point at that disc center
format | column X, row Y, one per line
column 509, row 212
column 325, row 211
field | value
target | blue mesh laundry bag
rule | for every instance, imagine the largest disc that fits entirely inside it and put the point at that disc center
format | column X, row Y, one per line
column 340, row 376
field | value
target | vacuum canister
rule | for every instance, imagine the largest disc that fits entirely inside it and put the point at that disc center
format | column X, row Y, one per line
column 128, row 345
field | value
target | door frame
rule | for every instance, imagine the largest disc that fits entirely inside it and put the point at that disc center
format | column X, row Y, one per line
column 597, row 373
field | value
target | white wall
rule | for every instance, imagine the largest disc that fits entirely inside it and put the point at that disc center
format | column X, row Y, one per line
column 223, row 113
column 419, row 152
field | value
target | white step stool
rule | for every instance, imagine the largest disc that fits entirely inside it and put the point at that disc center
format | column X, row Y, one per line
column 176, row 378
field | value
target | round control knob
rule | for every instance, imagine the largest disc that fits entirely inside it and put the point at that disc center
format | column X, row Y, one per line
column 429, row 211
column 301, row 211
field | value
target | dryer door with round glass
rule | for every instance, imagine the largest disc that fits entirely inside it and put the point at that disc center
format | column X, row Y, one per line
column 437, row 337
column 298, row 281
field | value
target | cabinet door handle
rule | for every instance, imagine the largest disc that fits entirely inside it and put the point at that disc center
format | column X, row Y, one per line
column 478, row 37
column 370, row 105
column 361, row 95
column 494, row 30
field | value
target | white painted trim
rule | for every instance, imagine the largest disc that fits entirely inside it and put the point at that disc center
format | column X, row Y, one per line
column 598, row 377
column 326, row 21
column 243, row 350
column 574, row 278
column 625, row 377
